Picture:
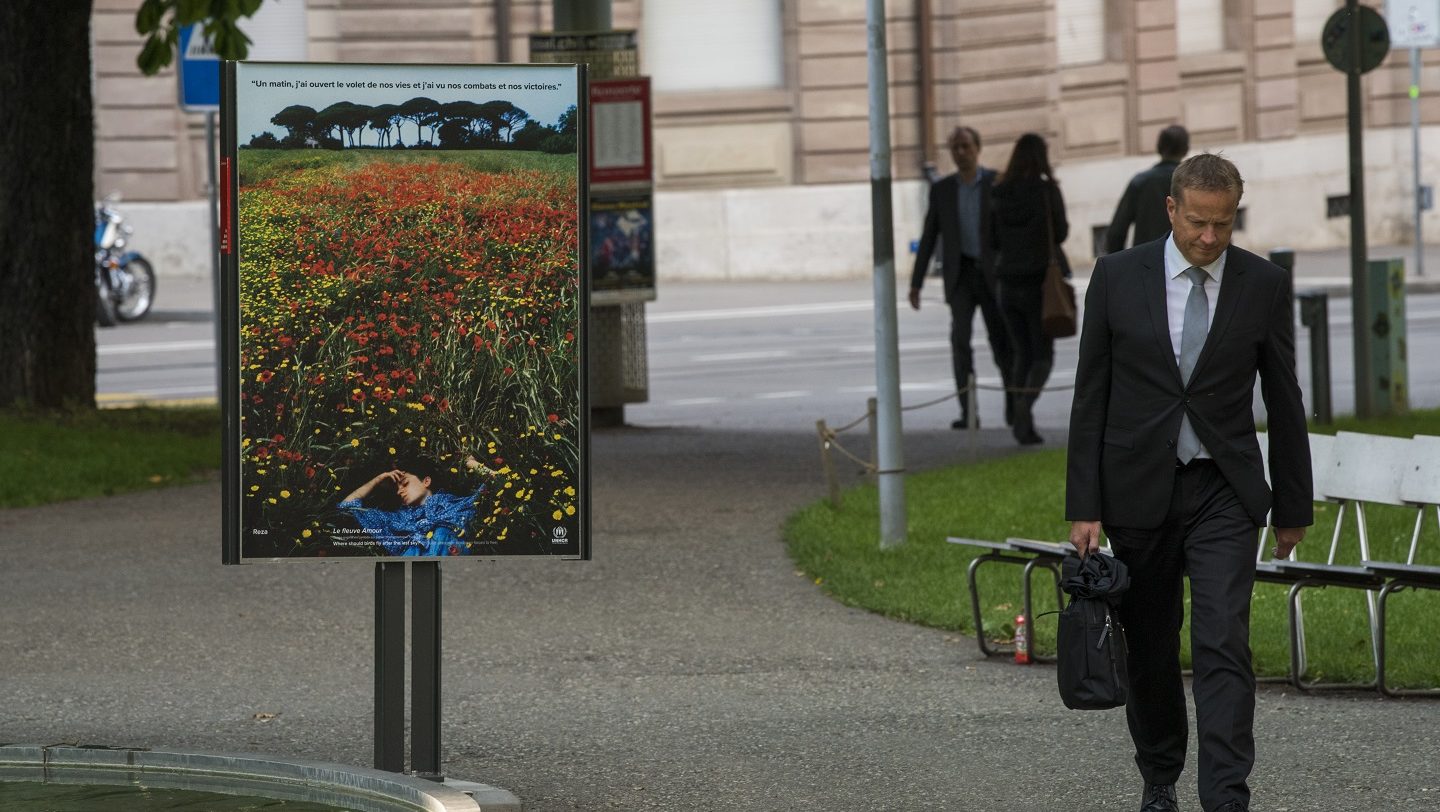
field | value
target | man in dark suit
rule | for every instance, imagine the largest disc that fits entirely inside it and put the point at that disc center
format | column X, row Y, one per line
column 1163, row 454
column 1143, row 202
column 959, row 215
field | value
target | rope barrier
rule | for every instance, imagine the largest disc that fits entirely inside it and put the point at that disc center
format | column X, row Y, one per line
column 1023, row 389
column 852, row 424
column 829, row 438
column 867, row 465
column 930, row 403
column 1019, row 390
column 982, row 386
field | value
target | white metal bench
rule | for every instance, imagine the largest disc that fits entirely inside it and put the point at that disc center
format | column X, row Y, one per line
column 1026, row 553
column 1363, row 468
column 1419, row 486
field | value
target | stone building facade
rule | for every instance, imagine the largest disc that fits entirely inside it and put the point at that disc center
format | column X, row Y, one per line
column 760, row 113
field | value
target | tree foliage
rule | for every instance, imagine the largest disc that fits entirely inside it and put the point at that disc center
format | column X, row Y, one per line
column 160, row 22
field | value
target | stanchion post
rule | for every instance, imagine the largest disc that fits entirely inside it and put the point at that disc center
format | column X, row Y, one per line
column 832, row 485
column 1285, row 258
column 1315, row 314
column 872, row 410
column 972, row 410
column 390, row 667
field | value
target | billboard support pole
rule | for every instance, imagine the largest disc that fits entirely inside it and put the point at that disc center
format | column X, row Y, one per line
column 891, row 455
column 390, row 666
column 425, row 670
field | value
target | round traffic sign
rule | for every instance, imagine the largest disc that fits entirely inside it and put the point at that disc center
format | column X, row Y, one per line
column 1374, row 39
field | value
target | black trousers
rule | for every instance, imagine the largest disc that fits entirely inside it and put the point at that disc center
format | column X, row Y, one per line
column 1207, row 536
column 1032, row 352
column 971, row 293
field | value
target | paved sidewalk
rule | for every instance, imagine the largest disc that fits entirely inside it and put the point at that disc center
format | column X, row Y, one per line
column 689, row 667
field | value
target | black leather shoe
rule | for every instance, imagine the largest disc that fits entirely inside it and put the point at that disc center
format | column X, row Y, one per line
column 964, row 423
column 1159, row 798
column 1233, row 806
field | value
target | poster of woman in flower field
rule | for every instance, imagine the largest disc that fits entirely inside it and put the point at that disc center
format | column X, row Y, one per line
column 403, row 311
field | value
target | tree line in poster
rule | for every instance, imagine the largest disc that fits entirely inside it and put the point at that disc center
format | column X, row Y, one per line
column 429, row 124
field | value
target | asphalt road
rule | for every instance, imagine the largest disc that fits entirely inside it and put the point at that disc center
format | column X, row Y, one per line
column 753, row 355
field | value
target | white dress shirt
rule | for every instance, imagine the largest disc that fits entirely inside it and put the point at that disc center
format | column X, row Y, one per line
column 1177, row 291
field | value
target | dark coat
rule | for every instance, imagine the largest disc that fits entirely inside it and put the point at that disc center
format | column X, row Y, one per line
column 1142, row 204
column 1018, row 233
column 1129, row 397
column 942, row 222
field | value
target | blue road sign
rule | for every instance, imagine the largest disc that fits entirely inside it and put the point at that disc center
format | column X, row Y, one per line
column 199, row 71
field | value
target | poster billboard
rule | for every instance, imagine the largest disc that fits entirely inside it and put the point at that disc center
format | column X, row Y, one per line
column 622, row 253
column 403, row 329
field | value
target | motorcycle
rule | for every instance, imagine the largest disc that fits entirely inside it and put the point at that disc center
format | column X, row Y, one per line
column 124, row 280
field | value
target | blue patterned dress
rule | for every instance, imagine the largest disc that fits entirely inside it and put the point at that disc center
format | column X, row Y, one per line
column 432, row 528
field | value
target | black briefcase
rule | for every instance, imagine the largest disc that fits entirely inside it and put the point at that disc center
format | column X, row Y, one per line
column 1091, row 653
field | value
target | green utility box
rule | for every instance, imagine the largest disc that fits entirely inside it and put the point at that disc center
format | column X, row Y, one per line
column 1389, row 377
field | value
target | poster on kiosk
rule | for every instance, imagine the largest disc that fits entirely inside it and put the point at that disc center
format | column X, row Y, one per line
column 403, row 311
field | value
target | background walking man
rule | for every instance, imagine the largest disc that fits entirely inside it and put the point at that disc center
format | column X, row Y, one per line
column 1143, row 203
column 959, row 214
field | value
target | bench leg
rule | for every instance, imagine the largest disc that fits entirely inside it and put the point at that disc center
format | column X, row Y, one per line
column 1380, row 639
column 1385, row 689
column 1298, row 663
column 975, row 600
column 1027, row 593
column 1297, row 637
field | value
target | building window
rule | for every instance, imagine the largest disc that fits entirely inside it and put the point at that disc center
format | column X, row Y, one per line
column 1200, row 26
column 1310, row 17
column 735, row 45
column 278, row 32
column 1080, row 31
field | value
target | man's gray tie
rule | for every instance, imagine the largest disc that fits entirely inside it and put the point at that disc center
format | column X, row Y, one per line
column 1192, row 339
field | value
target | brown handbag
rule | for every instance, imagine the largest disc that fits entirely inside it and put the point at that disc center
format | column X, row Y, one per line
column 1057, row 297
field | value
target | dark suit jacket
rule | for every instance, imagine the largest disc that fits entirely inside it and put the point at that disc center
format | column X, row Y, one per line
column 1144, row 205
column 1129, row 397
column 942, row 222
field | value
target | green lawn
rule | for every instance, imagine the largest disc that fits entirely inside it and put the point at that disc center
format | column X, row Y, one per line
column 50, row 458
column 923, row 581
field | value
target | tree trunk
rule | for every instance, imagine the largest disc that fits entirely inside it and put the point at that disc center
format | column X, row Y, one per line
column 47, row 216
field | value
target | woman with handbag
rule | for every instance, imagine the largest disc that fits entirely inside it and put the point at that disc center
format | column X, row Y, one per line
column 1027, row 227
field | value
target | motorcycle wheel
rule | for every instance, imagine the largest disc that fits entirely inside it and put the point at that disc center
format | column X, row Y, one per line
column 105, row 314
column 138, row 294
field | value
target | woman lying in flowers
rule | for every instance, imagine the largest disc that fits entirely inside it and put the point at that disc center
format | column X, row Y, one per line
column 426, row 522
